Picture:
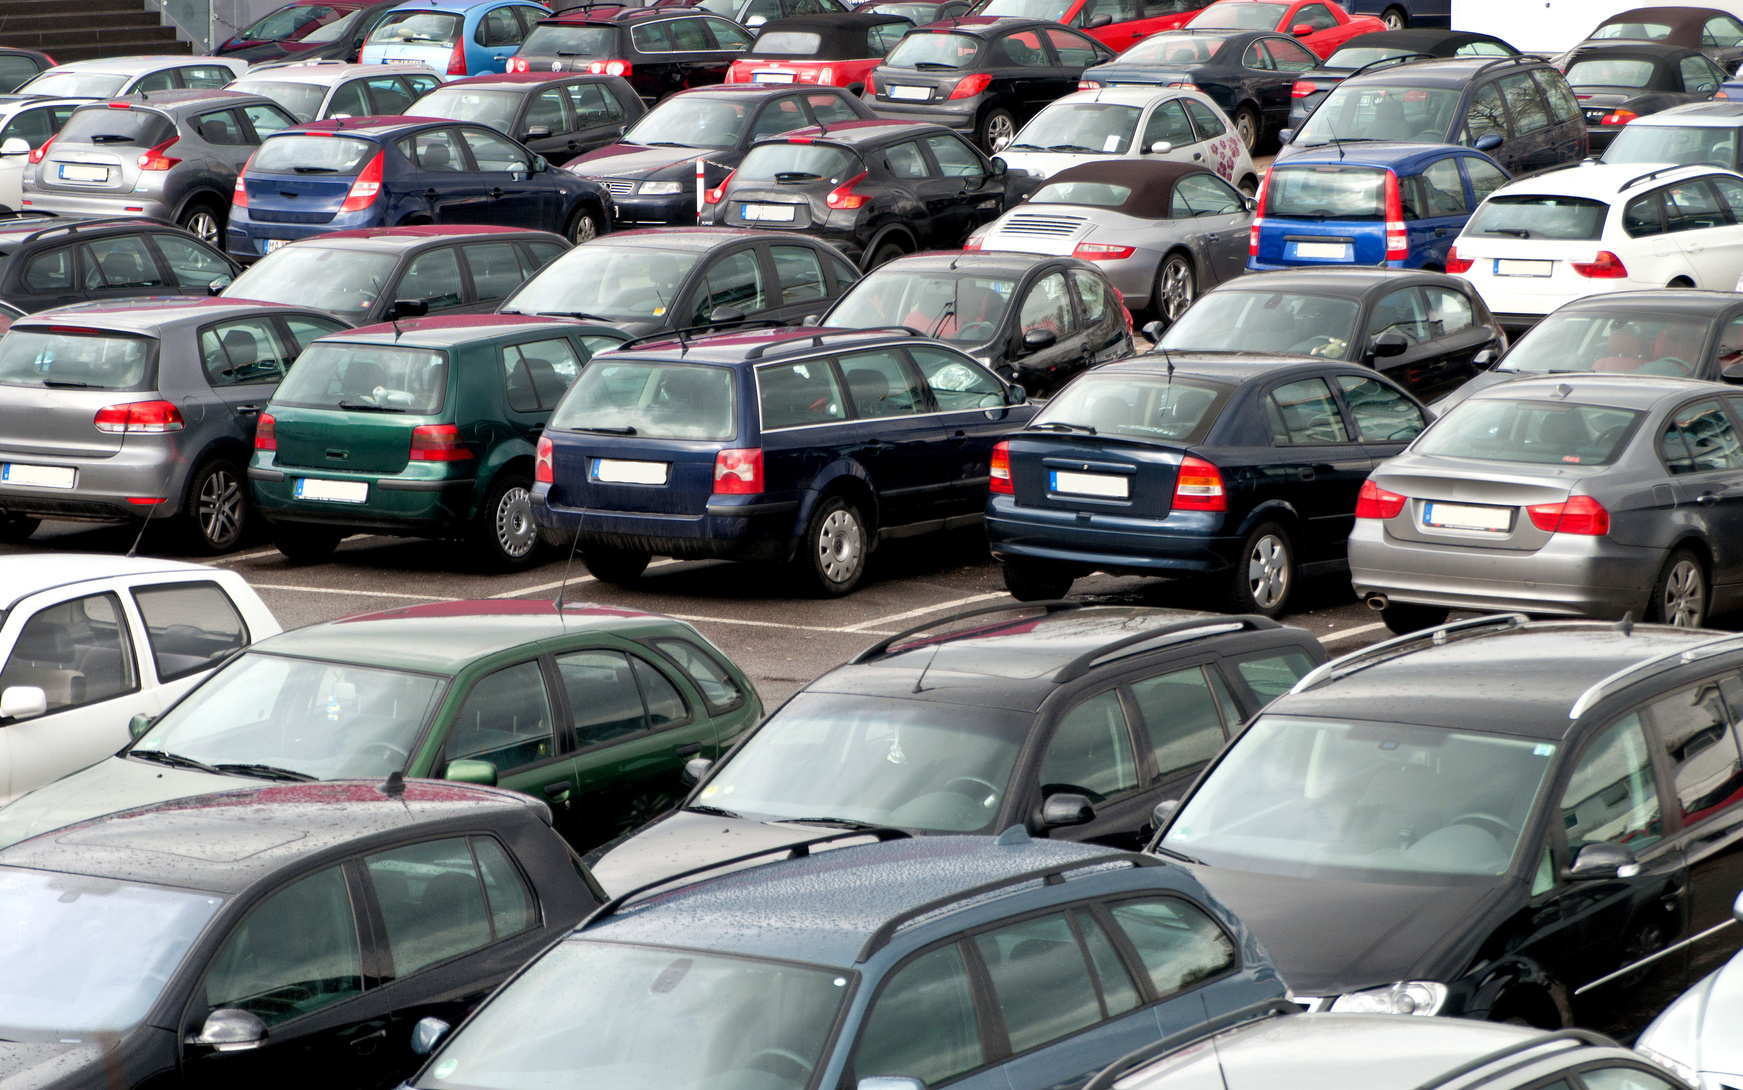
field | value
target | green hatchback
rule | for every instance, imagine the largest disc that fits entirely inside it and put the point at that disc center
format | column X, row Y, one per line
column 425, row 429
column 594, row 710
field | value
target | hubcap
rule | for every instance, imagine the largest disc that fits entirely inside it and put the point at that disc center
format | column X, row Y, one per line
column 515, row 532
column 1268, row 571
column 204, row 225
column 585, row 228
column 1682, row 595
column 839, row 546
column 1176, row 287
column 999, row 131
column 219, row 507
column 1393, row 20
column 1246, row 128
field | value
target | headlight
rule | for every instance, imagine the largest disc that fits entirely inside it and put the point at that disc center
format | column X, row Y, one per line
column 1675, row 1067
column 660, row 189
column 1422, row 997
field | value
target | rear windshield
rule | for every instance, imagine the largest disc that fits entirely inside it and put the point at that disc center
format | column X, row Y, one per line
column 1174, row 49
column 1651, row 32
column 1682, row 145
column 1366, row 111
column 1100, row 194
column 1179, row 411
column 918, row 14
column 788, row 43
column 107, row 127
column 73, row 361
column 303, row 100
column 1543, row 432
column 493, row 108
column 75, row 84
column 1610, row 72
column 571, row 41
column 1356, row 56
column 300, row 154
column 418, row 27
column 1571, row 218
column 935, row 49
column 366, row 378
column 651, row 401
column 799, row 164
column 1327, row 193
column 1243, row 16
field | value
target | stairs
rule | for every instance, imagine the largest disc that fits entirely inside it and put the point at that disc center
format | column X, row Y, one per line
column 77, row 30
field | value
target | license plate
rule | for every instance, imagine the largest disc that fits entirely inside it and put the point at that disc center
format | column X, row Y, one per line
column 272, row 244
column 1458, row 516
column 78, row 172
column 401, row 60
column 612, row 471
column 1339, row 251
column 1505, row 267
column 38, row 476
column 910, row 93
column 332, row 491
column 780, row 212
column 1088, row 484
column 772, row 77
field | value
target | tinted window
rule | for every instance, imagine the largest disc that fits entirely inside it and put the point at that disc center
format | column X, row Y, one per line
column 1138, row 408
column 1024, row 49
column 511, row 903
column 537, row 374
column 1403, row 312
column 1181, row 718
column 495, row 268
column 957, row 383
column 243, row 351
column 76, row 652
column 304, row 329
column 124, row 261
column 340, row 155
column 592, row 106
column 691, row 36
column 1273, row 675
column 717, row 686
column 734, row 281
column 506, row 720
column 1383, row 415
column 955, row 158
column 828, row 109
column 905, row 161
column 434, row 277
column 797, row 394
column 1694, row 206
column 1708, row 437
column 1449, row 311
column 1695, row 729
column 1091, row 295
column 934, row 48
column 190, row 626
column 1486, row 116
column 388, row 96
column 1041, row 980
column 1558, row 217
column 880, row 385
column 295, row 953
column 665, row 705
column 51, row 271
column 194, row 265
column 1611, row 795
column 1442, row 191
column 1289, row 57
column 348, row 101
column 436, row 150
column 1485, row 177
column 1047, row 306
column 1326, row 193
column 785, row 115
column 498, row 27
column 1304, row 412
column 1075, row 51
column 800, row 273
column 1525, row 102
column 660, row 401
column 1643, row 216
column 604, row 700
column 431, row 901
column 1177, row 944
column 220, row 128
column 1091, row 752
column 923, row 1024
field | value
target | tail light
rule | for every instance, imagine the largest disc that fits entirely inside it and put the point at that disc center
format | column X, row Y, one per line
column 999, row 471
column 825, row 77
column 266, row 433
column 1302, row 88
column 155, row 159
column 1258, row 215
column 843, row 195
column 366, row 188
column 239, row 195
column 1606, row 266
column 739, row 472
column 610, row 68
column 139, row 418
column 718, row 193
column 1186, row 86
column 542, row 471
column 1397, row 240
column 1578, row 515
column 1199, row 487
column 519, row 64
column 733, row 74
column 1374, row 502
column 1457, row 264
column 973, row 85
column 36, row 156
column 1101, row 251
column 1088, row 85
column 871, row 84
column 438, row 443
column 1620, row 117
column 974, row 242
column 457, row 59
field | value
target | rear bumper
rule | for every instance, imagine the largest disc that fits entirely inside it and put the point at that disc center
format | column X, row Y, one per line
column 418, row 502
column 245, row 239
column 137, row 205
column 1183, row 543
column 731, row 527
column 103, row 486
column 959, row 114
column 676, row 210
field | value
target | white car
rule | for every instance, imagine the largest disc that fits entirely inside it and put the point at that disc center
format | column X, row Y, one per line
column 1591, row 228
column 25, row 125
column 1132, row 123
column 89, row 642
column 112, row 77
column 1700, row 1035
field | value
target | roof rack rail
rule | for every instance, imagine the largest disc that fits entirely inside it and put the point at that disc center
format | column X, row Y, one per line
column 1077, row 667
column 75, row 227
column 877, row 649
column 1651, row 174
column 1498, row 61
column 685, row 334
column 1387, row 62
column 1348, row 664
column 1518, row 1048
column 798, row 849
column 817, row 339
column 591, row 4
column 1179, row 1039
column 1665, row 661
column 1051, row 875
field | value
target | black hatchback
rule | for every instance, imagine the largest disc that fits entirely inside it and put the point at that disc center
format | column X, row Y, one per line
column 1617, row 82
column 559, row 116
column 658, row 50
column 53, row 261
column 1386, row 47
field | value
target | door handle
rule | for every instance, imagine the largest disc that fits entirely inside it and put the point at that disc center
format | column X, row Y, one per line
column 877, row 445
column 247, row 410
column 430, row 194
column 1304, row 473
column 1197, row 156
column 559, row 791
column 370, row 1039
column 959, row 438
column 495, row 193
column 688, row 750
column 1707, row 499
column 1692, row 247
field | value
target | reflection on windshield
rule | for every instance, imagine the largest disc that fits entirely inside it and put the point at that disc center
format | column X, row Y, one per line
column 74, row 85
column 1100, row 127
column 965, row 309
column 303, row 100
column 345, row 282
column 1305, row 793
column 1241, row 16
column 1265, row 321
column 493, row 108
column 367, row 377
column 1649, row 343
column 37, row 357
column 1365, row 111
column 1131, row 408
column 1681, row 145
column 699, row 122
column 602, row 280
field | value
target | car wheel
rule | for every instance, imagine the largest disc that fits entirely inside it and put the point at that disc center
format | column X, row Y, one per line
column 997, row 128
column 1249, row 187
column 217, row 511
column 1402, row 618
column 1395, row 18
column 884, row 254
column 1247, row 126
column 1680, row 596
column 16, row 529
column 832, row 554
column 1175, row 287
column 1264, row 574
column 619, row 566
column 205, row 221
column 1036, row 580
column 305, row 544
column 504, row 536
column 583, row 228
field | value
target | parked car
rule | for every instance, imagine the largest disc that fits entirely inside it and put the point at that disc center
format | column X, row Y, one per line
column 1392, row 46
column 1401, row 14
column 338, row 40
column 315, row 90
column 503, row 692
column 1692, row 1037
column 437, row 417
column 90, row 641
column 1033, row 319
column 1714, row 31
column 837, row 49
column 876, row 190
column 661, row 279
column 173, row 156
column 660, row 51
column 19, row 66
column 327, row 176
column 651, row 173
column 1405, row 841
column 1179, row 126
column 1517, row 110
column 146, row 407
column 985, row 751
column 359, row 275
column 1379, row 203
column 554, row 115
column 117, row 76
column 55, row 261
column 1321, row 25
column 1618, row 82
column 27, row 122
column 1117, row 24
column 724, row 433
column 285, row 27
column 454, row 37
column 755, row 14
column 1159, row 231
column 1248, row 74
column 984, row 77
column 918, row 12
column 1702, row 133
column 352, row 911
column 1556, row 236
column 1424, row 330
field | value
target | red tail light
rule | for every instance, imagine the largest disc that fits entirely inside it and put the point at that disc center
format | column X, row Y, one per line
column 739, row 472
column 1457, row 264
column 1620, row 117
column 871, row 84
column 542, row 471
column 1374, row 502
column 366, row 188
column 139, row 418
column 1185, row 86
column 438, row 443
column 519, row 64
column 1579, row 515
column 1258, row 215
column 155, row 159
column 611, row 68
column 457, row 60
column 843, row 195
column 1088, row 85
column 266, row 433
column 972, row 85
column 239, row 195
column 36, row 156
column 1101, row 251
column 1397, row 239
column 1302, row 88
column 999, row 471
column 974, row 243
column 718, row 193
column 1199, row 487
column 1606, row 266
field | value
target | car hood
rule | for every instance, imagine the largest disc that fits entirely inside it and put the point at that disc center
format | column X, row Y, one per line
column 630, row 160
column 1045, row 164
column 27, row 1065
column 114, row 783
column 1700, row 1028
column 683, row 840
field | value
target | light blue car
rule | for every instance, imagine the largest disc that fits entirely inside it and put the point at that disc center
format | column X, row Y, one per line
column 457, row 38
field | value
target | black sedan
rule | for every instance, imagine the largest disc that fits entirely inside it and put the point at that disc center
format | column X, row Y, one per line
column 557, row 115
column 1423, row 330
column 1716, row 33
column 1618, row 82
column 1389, row 45
column 272, row 936
column 1248, row 73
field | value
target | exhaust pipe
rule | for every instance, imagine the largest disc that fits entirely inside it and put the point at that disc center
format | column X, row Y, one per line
column 1377, row 601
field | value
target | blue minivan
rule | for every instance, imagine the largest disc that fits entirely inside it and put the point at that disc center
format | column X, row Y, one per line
column 456, row 38
column 805, row 446
column 1394, row 204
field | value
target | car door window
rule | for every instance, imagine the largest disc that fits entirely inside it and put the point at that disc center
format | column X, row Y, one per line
column 1047, row 306
column 1024, row 50
column 728, row 36
column 155, row 81
column 123, row 261
column 295, row 953
column 512, row 909
column 1382, row 414
column 421, row 85
column 505, row 720
column 1643, row 216
column 189, row 626
column 1697, row 734
column 1622, row 1078
column 546, row 111
column 304, row 329
column 1167, row 122
column 538, row 373
column 1304, row 412
column 691, row 36
column 1041, row 980
column 436, row 150
column 1564, row 106
column 879, row 39
column 957, row 383
column 244, row 351
column 348, row 101
column 1694, row 206
column 923, row 1024
column 433, row 277
column 1486, row 116
column 1316, row 16
column 905, row 161
column 734, row 281
column 1731, row 191
column 193, row 264
column 76, row 652
column 1611, row 795
column 1091, row 752
column 880, row 385
column 266, row 120
column 1443, row 190
column 545, row 252
column 1270, row 676
column 1182, row 718
column 781, row 115
column 1708, row 437
column 604, row 700
column 592, row 104
column 1449, row 311
column 955, row 158
column 1525, row 103
column 498, row 27
column 14, row 70
column 432, row 902
column 1484, row 177
column 1092, row 295
column 495, row 267
column 1177, row 944
column 665, row 704
column 1699, row 77
column 798, row 394
column 34, row 127
column 206, row 77
column 1722, row 31
column 719, row 691
column 495, row 153
column 650, row 38
column 50, row 271
column 830, row 109
column 1204, row 195
column 388, row 96
column 1286, row 56
column 800, row 274
column 1402, row 312
column 1209, row 125
column 1076, row 51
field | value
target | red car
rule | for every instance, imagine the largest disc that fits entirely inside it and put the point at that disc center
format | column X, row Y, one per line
column 1321, row 25
column 1117, row 24
column 836, row 49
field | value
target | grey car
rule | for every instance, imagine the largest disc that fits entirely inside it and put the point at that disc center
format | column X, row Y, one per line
column 172, row 156
column 1570, row 495
column 321, row 89
column 1697, row 1035
column 114, row 76
column 142, row 408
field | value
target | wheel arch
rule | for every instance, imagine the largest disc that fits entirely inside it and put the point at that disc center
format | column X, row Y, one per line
column 886, row 233
column 501, row 459
column 841, row 479
column 1281, row 512
column 222, row 446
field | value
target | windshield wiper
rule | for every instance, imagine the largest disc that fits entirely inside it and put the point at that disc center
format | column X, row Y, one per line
column 565, row 314
column 717, row 811
column 267, row 772
column 658, row 143
column 66, row 384
column 174, row 760
column 625, row 430
column 369, row 408
column 1020, row 147
column 1182, row 856
column 846, row 823
column 1061, row 425
column 316, row 170
column 1069, row 147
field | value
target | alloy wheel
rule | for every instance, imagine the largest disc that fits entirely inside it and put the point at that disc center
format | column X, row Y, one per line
column 1177, row 287
column 1268, row 571
column 1684, row 594
column 585, row 229
column 204, row 226
column 515, row 531
column 219, row 507
column 840, row 546
column 1247, row 129
column 1394, row 19
column 999, row 131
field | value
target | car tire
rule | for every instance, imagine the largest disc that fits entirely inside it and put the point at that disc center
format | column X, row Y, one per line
column 217, row 509
column 1395, row 19
column 1176, row 287
column 884, row 254
column 504, row 536
column 832, row 552
column 1403, row 618
column 584, row 227
column 16, row 529
column 1679, row 597
column 1247, row 127
column 1249, row 187
column 1265, row 572
column 1037, row 580
column 617, row 566
column 204, row 220
column 305, row 544
column 995, row 130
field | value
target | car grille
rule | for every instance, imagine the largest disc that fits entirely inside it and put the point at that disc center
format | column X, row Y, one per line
column 619, row 187
column 1032, row 223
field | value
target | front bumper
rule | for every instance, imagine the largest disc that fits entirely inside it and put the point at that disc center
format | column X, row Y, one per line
column 425, row 500
column 144, row 467
column 672, row 210
column 731, row 527
column 1184, row 542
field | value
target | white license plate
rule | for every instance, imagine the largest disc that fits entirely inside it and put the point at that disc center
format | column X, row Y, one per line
column 401, row 60
column 1458, row 516
column 39, row 476
column 1339, row 251
column 272, row 244
column 1089, row 484
column 77, row 172
column 332, row 491
column 910, row 93
column 612, row 471
column 1506, row 267
column 777, row 212
column 772, row 77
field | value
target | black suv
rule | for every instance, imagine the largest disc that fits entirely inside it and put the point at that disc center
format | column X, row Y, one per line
column 53, row 261
column 1498, row 818
column 1070, row 719
column 658, row 50
column 1517, row 109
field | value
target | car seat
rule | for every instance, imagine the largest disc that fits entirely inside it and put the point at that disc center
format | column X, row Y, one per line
column 434, row 155
column 1625, row 351
column 122, row 269
column 215, row 130
column 871, row 391
column 43, row 657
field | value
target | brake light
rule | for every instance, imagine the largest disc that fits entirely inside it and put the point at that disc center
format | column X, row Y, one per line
column 871, row 84
column 155, row 159
column 1579, row 515
column 610, row 68
column 973, row 85
column 1620, row 117
column 542, row 471
column 1301, row 88
column 825, row 77
column 266, row 433
column 843, row 196
column 1199, row 487
column 1101, row 251
column 1397, row 240
column 239, row 194
column 999, row 470
column 1088, row 85
column 974, row 242
column 366, row 188
column 139, row 418
column 1258, row 215
column 519, row 64
column 1606, row 266
column 739, row 472
column 438, row 443
column 36, row 156
column 718, row 193
column 1374, row 502
column 457, row 60
column 1457, row 264
column 1188, row 86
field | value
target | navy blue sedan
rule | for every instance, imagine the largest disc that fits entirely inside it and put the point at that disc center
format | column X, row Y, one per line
column 352, row 173
column 1244, row 471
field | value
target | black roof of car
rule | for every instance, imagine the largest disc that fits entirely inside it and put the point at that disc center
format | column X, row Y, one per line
column 1444, row 71
column 412, row 236
column 762, row 90
column 1439, row 43
column 1328, row 280
column 1232, row 368
column 1677, row 18
column 861, row 131
column 981, row 261
column 843, row 32
column 1692, row 301
column 613, row 14
column 696, row 238
column 1626, row 48
column 1714, row 108
column 24, row 227
column 986, row 26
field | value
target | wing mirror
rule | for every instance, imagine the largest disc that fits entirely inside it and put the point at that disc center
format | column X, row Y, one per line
column 1488, row 356
column 427, row 1034
column 138, row 725
column 217, row 286
column 537, row 132
column 1388, row 344
column 725, row 316
column 1161, row 147
column 811, row 321
column 1037, row 339
column 1163, row 813
column 15, row 146
column 696, row 768
column 230, row 1030
column 482, row 773
column 540, row 164
column 1066, row 808
column 1732, row 372
column 1488, row 141
column 1015, row 394
column 1153, row 330
column 1100, row 21
column 1301, row 30
column 1285, row 135
column 22, row 702
column 406, row 308
column 1602, row 860
column 998, row 167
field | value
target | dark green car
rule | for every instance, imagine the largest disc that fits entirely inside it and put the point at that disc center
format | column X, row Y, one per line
column 595, row 711
column 424, row 430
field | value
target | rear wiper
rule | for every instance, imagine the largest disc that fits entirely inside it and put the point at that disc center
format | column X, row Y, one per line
column 174, row 760
column 793, row 177
column 316, row 170
column 625, row 430
column 110, row 138
column 846, row 823
column 717, row 811
column 369, row 408
column 1061, row 425
column 937, row 65
column 66, row 384
column 566, row 53
column 267, row 772
column 1516, row 232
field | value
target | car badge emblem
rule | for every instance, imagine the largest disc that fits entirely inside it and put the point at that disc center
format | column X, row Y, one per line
column 556, row 66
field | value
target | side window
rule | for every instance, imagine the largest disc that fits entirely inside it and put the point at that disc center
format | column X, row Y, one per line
column 1286, row 56
column 1622, row 1078
column 206, row 77
column 711, row 679
column 923, row 1024
column 124, row 261
column 538, row 374
column 1256, row 58
column 781, row 115
column 1092, row 294
column 295, row 953
column 545, row 252
column 505, row 720
column 1525, row 102
column 691, row 36
column 546, row 111
column 735, row 281
column 604, row 700
column 220, row 128
column 955, row 158
column 438, row 149
column 650, row 38
column 1382, row 414
column 1486, row 117
column 511, row 903
column 957, row 383
column 156, row 81
column 191, row 627
column 1401, row 312
column 591, row 103
column 498, row 27
column 1091, row 752
column 1443, row 190
column 348, row 101
column 495, row 267
column 1732, row 191
column 431, row 902
column 266, row 120
column 1722, row 31
column 194, row 265
column 1730, row 351
column 1273, row 675
column 1024, row 49
column 1695, row 730
column 830, row 109
column 1643, row 216
column 1304, row 412
column 1041, row 980
column 1178, row 945
column 34, row 127
column 421, row 85
column 1181, row 715
column 1675, row 452
column 1047, row 306
column 1449, row 311
column 1076, row 51
column 1694, row 206
column 664, row 703
column 1485, row 177
column 794, row 395
column 388, row 96
column 1611, row 795
column 1712, row 441
column 50, row 271
column 800, row 274
column 905, row 161
column 1208, row 123
column 14, row 70
column 844, row 270
column 1166, row 122
column 879, row 40
column 1314, row 15
column 305, row 329
column 435, row 278
column 1699, row 77
column 1563, row 105
column 880, row 385
column 728, row 35
column 76, row 652
column 244, row 351
column 495, row 153
column 1204, row 195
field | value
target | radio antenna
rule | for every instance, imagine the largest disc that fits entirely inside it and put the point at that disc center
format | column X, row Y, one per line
column 150, row 510
column 567, row 564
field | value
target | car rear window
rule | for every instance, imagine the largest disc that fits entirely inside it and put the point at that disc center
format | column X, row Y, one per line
column 571, row 41
column 1558, row 217
column 418, row 28
column 788, row 43
column 366, row 378
column 935, row 49
column 1541, row 432
column 1100, row 194
column 75, row 84
column 105, row 126
column 1683, row 145
column 1124, row 407
column 651, row 400
column 299, row 154
column 1326, row 193
column 1173, row 49
column 1638, row 31
column 799, row 164
column 1355, row 57
column 66, row 360
column 1610, row 72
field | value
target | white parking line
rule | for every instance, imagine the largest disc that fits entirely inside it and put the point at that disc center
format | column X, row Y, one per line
column 866, row 626
column 574, row 582
column 1348, row 632
column 239, row 557
column 353, row 593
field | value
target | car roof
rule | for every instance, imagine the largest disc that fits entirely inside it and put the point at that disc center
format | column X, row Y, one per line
column 379, row 127
column 764, row 90
column 1232, row 368
column 986, row 26
column 1127, row 95
column 1416, row 38
column 1702, row 301
column 1330, row 280
column 864, row 130
column 1620, row 389
column 325, row 72
column 1671, row 15
column 998, row 261
column 453, row 5
column 227, row 841
column 832, row 21
column 23, row 574
column 693, row 238
column 409, row 235
column 185, row 99
column 1590, row 178
column 1378, row 153
column 17, row 227
column 523, row 79
column 452, row 330
column 150, row 314
column 132, row 66
column 612, row 15
column 1442, row 71
column 1715, row 114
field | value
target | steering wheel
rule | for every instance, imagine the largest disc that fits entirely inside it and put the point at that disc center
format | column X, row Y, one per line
column 387, row 751
column 1667, row 365
column 974, row 331
column 805, row 1066
column 975, row 781
column 1478, row 818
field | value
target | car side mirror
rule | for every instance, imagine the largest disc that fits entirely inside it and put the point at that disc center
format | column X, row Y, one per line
column 1015, row 394
column 1388, row 344
column 696, row 768
column 230, row 1030
column 537, row 132
column 811, row 320
column 17, row 145
column 1153, row 330
column 1732, row 372
column 1066, row 808
column 725, row 316
column 217, row 286
column 1602, row 860
column 1160, row 147
column 22, row 702
column 482, row 773
column 427, row 1034
column 540, row 164
column 1489, row 141
column 138, row 725
column 1285, row 135
column 999, row 167
column 406, row 308
column 1163, row 813
column 1037, row 339
column 1100, row 21
column 622, row 130
column 1486, row 358
column 1301, row 30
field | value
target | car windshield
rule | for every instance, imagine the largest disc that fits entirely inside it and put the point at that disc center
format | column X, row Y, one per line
column 692, row 121
column 609, row 281
column 615, row 1016
column 333, row 31
column 1242, row 16
column 1367, row 111
column 1297, row 795
column 1052, row 11
column 1493, row 429
column 294, row 153
column 1104, row 128
column 787, row 43
column 303, row 100
column 918, row 14
column 86, row 957
column 1179, row 49
column 556, row 40
column 288, row 23
column 493, row 108
column 72, row 361
column 1644, row 342
column 1531, row 216
column 651, row 401
column 910, row 764
column 1326, row 192
column 418, row 27
column 934, row 49
column 1126, row 407
column 1265, row 321
column 1678, row 145
column 366, row 377
column 74, row 84
column 109, row 128
column 964, row 307
column 798, row 164
column 1610, row 72
column 346, row 282
column 322, row 720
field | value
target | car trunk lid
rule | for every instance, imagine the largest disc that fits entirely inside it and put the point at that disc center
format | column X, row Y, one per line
column 55, row 379
column 100, row 149
column 1451, row 503
column 339, row 440
column 1071, row 472
column 305, row 178
column 610, row 473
